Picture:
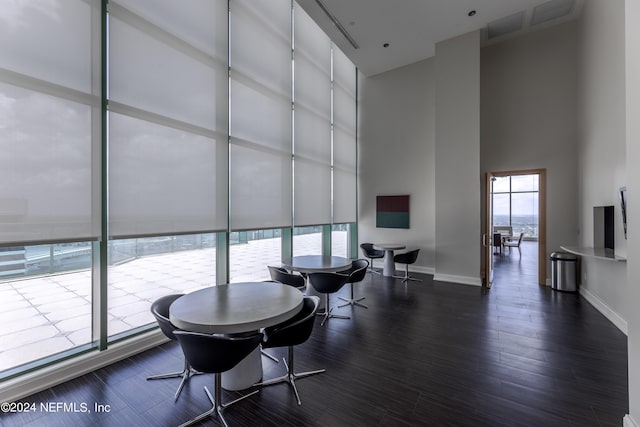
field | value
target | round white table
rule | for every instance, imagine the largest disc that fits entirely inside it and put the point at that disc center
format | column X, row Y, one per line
column 388, row 248
column 316, row 264
column 233, row 309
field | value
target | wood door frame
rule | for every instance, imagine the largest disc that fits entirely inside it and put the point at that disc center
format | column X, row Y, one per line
column 542, row 215
column 487, row 270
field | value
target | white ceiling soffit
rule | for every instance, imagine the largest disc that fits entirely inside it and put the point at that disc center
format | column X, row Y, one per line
column 506, row 25
column 550, row 10
column 411, row 28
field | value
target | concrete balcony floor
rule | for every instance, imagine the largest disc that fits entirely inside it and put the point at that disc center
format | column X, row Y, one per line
column 45, row 315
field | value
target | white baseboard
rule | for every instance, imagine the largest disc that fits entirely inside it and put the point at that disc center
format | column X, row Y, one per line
column 627, row 421
column 412, row 268
column 41, row 379
column 463, row 280
column 606, row 311
column 422, row 270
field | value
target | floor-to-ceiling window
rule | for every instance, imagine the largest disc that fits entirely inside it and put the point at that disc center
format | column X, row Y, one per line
column 167, row 152
column 251, row 252
column 340, row 240
column 515, row 204
column 139, row 154
column 50, row 79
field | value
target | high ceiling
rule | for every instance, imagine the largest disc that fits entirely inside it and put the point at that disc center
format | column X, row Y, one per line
column 411, row 28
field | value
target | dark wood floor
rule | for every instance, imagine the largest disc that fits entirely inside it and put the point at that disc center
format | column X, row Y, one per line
column 425, row 353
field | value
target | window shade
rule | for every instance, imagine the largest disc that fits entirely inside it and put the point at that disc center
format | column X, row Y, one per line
column 312, row 143
column 261, row 177
column 49, row 121
column 344, row 139
column 168, row 122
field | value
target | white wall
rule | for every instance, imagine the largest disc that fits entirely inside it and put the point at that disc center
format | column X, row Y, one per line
column 632, row 43
column 602, row 148
column 458, row 231
column 396, row 155
column 534, row 114
column 528, row 116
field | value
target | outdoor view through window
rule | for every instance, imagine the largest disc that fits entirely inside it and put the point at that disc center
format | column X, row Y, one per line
column 515, row 203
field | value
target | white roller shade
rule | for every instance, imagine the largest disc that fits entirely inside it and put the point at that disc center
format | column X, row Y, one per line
column 312, row 143
column 49, row 121
column 169, row 117
column 344, row 139
column 260, row 114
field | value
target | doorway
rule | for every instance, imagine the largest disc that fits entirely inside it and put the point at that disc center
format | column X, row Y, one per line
column 515, row 202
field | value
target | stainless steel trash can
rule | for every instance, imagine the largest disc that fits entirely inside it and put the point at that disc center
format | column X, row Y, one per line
column 564, row 271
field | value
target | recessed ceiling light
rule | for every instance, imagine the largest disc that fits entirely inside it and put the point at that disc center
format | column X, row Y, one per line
column 385, row 45
column 471, row 13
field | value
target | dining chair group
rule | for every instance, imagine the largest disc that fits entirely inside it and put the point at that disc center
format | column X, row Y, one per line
column 217, row 353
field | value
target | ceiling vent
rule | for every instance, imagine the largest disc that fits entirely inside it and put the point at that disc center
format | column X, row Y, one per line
column 551, row 10
column 506, row 25
column 338, row 25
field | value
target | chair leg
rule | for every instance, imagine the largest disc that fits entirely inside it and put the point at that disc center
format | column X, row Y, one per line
column 264, row 353
column 290, row 377
column 370, row 269
column 406, row 276
column 216, row 402
column 327, row 312
column 352, row 301
column 185, row 374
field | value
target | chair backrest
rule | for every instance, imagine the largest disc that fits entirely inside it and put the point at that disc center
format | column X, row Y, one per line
column 215, row 353
column 513, row 243
column 160, row 310
column 328, row 283
column 370, row 252
column 281, row 275
column 296, row 330
column 407, row 257
column 358, row 271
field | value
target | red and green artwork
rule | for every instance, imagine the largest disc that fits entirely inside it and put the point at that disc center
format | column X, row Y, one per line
column 392, row 211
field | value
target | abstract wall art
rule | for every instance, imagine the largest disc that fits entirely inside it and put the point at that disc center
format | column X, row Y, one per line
column 392, row 211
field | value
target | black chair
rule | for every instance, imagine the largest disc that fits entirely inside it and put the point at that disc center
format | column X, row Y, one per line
column 357, row 273
column 281, row 275
column 497, row 243
column 216, row 354
column 371, row 253
column 292, row 332
column 328, row 283
column 160, row 310
column 407, row 258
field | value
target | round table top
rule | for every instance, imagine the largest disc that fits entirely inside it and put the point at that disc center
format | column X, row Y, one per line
column 316, row 263
column 388, row 246
column 236, row 307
